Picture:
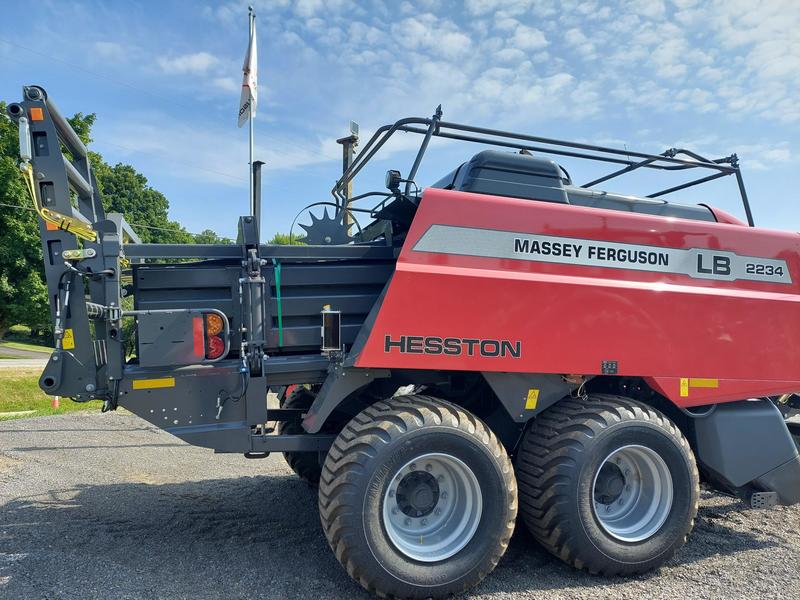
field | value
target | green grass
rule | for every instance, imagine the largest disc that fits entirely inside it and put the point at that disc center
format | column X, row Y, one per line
column 26, row 346
column 19, row 390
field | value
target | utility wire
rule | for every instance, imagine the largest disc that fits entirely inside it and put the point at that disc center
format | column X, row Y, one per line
column 16, row 206
column 172, row 101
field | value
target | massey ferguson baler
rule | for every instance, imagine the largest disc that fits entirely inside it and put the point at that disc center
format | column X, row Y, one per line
column 505, row 339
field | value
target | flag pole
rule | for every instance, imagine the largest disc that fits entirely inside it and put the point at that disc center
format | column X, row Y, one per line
column 252, row 18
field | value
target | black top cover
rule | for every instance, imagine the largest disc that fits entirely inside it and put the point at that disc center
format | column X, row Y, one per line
column 534, row 178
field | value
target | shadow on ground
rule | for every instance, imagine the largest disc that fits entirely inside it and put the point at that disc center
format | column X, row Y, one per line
column 246, row 537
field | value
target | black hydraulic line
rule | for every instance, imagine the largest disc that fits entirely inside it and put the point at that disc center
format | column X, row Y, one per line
column 437, row 116
column 725, row 160
column 689, row 184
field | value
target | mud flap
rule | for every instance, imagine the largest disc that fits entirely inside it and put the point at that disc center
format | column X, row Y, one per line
column 746, row 447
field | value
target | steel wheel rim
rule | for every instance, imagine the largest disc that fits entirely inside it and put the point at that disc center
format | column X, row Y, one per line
column 641, row 507
column 432, row 507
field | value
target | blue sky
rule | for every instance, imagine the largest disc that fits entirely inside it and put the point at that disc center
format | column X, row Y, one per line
column 163, row 77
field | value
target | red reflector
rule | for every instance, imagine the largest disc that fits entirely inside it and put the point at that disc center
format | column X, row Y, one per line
column 214, row 347
column 198, row 336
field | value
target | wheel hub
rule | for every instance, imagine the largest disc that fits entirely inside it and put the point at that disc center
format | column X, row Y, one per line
column 432, row 507
column 418, row 494
column 632, row 493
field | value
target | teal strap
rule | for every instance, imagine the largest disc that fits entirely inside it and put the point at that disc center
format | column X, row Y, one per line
column 277, row 265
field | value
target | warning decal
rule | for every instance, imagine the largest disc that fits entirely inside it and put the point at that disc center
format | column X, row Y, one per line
column 699, row 263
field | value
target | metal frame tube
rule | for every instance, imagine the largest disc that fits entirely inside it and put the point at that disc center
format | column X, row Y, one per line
column 77, row 180
column 65, row 131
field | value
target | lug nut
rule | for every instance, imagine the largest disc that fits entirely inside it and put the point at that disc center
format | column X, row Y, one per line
column 440, row 478
column 443, row 495
column 407, row 522
column 424, row 522
column 413, row 466
column 437, row 512
column 428, row 468
column 391, row 493
column 394, row 511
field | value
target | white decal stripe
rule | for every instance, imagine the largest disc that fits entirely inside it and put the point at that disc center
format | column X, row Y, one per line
column 699, row 263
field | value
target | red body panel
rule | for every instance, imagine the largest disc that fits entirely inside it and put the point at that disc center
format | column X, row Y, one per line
column 569, row 318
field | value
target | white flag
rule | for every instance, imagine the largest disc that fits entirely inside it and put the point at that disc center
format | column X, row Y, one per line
column 248, row 101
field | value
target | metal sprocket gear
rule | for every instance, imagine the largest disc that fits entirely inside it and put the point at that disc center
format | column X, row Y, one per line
column 327, row 230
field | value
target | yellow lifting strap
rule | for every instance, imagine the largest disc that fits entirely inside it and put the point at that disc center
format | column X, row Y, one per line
column 62, row 222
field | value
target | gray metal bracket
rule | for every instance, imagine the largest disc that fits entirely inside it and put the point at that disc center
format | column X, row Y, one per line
column 525, row 395
column 340, row 383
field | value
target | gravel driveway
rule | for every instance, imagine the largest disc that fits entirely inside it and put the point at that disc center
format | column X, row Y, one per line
column 106, row 506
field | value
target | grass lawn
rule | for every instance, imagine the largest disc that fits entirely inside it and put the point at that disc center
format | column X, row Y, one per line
column 26, row 346
column 19, row 391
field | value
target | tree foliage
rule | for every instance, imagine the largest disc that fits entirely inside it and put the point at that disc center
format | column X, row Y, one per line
column 282, row 239
column 23, row 293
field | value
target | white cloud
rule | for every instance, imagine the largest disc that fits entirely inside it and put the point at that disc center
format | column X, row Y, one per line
column 226, row 84
column 110, row 51
column 528, row 38
column 198, row 62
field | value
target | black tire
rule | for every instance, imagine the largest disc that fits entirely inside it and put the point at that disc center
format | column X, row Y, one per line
column 369, row 452
column 557, row 463
column 305, row 464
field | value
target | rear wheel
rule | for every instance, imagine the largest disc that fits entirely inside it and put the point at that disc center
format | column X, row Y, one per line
column 607, row 484
column 305, row 464
column 417, row 498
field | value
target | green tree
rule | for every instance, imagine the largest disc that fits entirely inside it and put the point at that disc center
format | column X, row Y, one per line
column 210, row 237
column 23, row 293
column 282, row 239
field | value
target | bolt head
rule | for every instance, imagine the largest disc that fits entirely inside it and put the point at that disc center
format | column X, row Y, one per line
column 440, row 478
column 413, row 466
column 429, row 468
column 424, row 521
column 394, row 511
column 407, row 522
column 391, row 493
column 443, row 495
column 437, row 512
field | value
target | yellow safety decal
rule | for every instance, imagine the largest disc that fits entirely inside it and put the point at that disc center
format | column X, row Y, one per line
column 704, row 383
column 149, row 384
column 687, row 382
column 532, row 399
column 68, row 341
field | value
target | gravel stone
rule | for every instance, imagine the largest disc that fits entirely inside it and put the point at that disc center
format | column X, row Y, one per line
column 108, row 506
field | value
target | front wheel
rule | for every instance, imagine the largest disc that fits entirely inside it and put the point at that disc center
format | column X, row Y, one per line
column 607, row 484
column 417, row 498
